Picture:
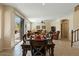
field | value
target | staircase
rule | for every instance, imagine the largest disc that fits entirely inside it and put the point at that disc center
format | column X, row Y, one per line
column 75, row 38
column 76, row 44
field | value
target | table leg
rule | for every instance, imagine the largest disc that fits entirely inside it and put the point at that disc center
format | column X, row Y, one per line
column 24, row 52
column 49, row 51
column 52, row 52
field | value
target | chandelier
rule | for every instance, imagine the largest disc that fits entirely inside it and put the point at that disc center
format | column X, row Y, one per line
column 42, row 22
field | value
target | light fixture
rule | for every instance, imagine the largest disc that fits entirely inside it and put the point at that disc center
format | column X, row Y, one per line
column 43, row 4
column 42, row 22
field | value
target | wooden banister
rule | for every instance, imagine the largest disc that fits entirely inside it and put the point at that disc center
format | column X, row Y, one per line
column 74, row 36
column 71, row 38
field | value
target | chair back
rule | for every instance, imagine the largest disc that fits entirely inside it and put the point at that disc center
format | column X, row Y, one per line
column 58, row 32
column 38, row 48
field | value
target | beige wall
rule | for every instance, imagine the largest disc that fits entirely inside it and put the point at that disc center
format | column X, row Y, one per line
column 1, row 27
column 12, row 29
column 57, row 23
column 34, row 24
column 76, row 19
column 10, row 23
column 0, row 32
column 28, row 26
column 7, row 26
column 47, row 24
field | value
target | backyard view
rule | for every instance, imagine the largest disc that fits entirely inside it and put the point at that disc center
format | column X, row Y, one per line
column 17, row 29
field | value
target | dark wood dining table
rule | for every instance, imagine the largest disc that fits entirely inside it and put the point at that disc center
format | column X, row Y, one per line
column 49, row 45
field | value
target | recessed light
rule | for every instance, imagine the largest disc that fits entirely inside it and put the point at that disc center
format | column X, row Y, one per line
column 43, row 4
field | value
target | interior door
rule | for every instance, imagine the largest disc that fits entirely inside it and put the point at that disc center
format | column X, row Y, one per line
column 65, row 29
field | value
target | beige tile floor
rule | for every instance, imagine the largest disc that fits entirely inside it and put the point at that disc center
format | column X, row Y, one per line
column 16, row 51
column 62, row 48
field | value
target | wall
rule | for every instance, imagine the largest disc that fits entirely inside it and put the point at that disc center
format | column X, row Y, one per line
column 76, row 19
column 12, row 29
column 47, row 23
column 34, row 24
column 7, row 26
column 27, row 25
column 57, row 23
column 1, row 27
column 0, row 31
column 13, row 14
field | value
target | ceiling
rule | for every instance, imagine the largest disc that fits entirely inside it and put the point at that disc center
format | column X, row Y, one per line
column 44, row 11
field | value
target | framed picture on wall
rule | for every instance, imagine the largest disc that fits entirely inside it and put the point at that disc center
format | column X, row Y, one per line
column 37, row 27
column 43, row 27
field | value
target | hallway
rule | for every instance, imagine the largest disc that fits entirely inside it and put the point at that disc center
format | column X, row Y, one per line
column 62, row 48
column 20, row 18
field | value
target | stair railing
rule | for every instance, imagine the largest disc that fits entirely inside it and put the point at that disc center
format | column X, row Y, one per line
column 74, row 36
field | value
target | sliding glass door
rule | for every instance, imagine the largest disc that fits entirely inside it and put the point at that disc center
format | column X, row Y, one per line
column 19, row 29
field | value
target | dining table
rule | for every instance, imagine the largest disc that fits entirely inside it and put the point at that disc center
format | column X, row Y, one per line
column 27, row 46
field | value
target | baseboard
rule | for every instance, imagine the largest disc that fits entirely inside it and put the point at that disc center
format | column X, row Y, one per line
column 6, row 49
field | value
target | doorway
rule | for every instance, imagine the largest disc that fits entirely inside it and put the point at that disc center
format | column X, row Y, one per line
column 65, row 29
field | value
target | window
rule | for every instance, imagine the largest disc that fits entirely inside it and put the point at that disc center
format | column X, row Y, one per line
column 43, row 27
column 37, row 27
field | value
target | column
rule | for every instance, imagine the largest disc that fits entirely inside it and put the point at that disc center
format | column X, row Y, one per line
column 76, row 17
column 1, row 26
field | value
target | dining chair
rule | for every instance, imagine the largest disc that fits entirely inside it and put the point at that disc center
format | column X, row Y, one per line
column 57, row 36
column 38, row 48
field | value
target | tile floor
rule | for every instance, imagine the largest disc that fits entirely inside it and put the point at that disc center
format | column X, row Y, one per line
column 62, row 48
